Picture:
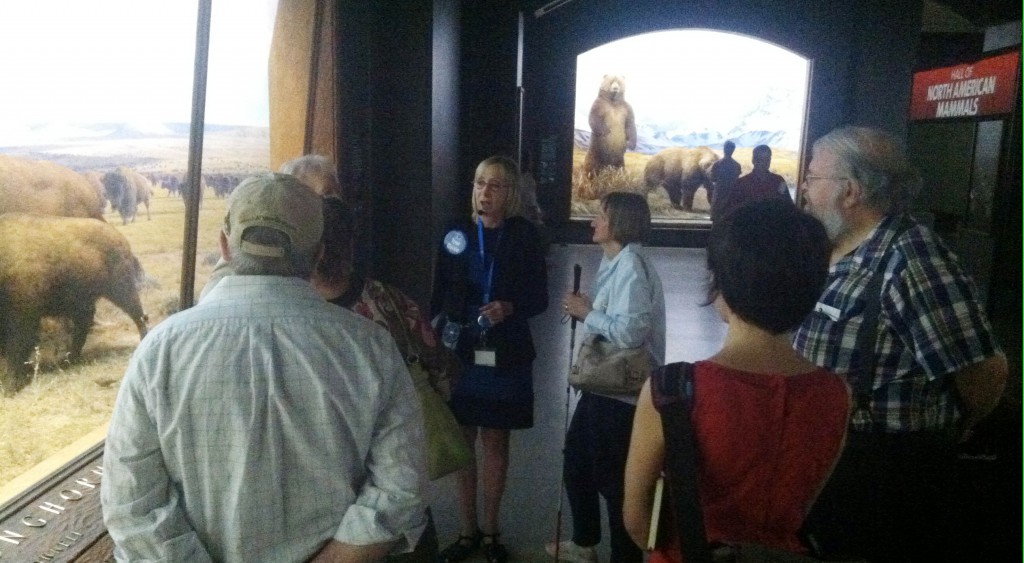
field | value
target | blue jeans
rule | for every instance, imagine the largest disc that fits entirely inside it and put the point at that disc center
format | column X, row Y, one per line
column 595, row 465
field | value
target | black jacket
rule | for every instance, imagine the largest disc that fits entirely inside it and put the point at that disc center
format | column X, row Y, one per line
column 520, row 277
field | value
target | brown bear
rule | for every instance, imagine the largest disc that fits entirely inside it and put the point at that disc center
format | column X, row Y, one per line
column 681, row 171
column 612, row 127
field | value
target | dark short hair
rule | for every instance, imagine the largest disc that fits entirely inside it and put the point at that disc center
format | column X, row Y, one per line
column 629, row 217
column 769, row 261
column 728, row 147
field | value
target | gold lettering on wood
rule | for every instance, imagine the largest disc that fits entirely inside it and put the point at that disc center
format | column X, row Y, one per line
column 85, row 483
column 51, row 507
column 11, row 537
column 33, row 522
column 71, row 494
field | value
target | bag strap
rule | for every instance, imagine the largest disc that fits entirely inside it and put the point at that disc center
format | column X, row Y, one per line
column 681, row 461
column 867, row 337
column 410, row 354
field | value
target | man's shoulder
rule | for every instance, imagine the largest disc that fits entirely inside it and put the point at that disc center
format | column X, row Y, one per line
column 729, row 163
column 914, row 241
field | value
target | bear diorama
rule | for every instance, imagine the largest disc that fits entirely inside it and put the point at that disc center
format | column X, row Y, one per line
column 612, row 126
column 681, row 171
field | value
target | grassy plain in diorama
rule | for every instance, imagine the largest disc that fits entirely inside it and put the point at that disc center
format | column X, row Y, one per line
column 65, row 402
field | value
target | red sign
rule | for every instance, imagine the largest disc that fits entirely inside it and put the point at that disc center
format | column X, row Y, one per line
column 985, row 87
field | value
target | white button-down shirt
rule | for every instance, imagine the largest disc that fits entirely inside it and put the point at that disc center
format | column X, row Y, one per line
column 257, row 426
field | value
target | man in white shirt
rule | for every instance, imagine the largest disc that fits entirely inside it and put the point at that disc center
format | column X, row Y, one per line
column 264, row 424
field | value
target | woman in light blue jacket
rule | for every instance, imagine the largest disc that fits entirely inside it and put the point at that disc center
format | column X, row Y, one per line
column 628, row 309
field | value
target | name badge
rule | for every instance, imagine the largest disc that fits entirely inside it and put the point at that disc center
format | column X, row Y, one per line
column 828, row 310
column 483, row 356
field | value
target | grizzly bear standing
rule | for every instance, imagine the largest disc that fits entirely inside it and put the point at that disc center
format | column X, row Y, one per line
column 612, row 127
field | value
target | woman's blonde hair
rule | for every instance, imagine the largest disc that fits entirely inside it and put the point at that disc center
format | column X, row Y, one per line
column 510, row 175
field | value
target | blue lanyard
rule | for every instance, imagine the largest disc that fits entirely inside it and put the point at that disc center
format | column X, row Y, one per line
column 483, row 259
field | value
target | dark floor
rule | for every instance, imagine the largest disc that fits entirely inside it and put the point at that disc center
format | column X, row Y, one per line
column 530, row 507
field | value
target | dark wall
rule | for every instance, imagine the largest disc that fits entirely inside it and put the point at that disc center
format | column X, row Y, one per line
column 435, row 92
column 399, row 115
column 354, row 22
column 488, row 89
column 862, row 55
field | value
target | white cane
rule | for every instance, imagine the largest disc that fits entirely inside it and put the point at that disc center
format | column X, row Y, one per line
column 576, row 272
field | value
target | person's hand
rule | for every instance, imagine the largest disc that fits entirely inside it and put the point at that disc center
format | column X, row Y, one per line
column 577, row 305
column 497, row 311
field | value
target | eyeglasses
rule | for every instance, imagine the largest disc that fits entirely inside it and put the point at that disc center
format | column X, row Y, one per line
column 809, row 179
column 481, row 184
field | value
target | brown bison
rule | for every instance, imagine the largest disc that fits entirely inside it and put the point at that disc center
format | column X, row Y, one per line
column 126, row 189
column 59, row 267
column 96, row 181
column 681, row 171
column 38, row 186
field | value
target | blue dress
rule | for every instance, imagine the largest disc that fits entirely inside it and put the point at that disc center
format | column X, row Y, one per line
column 498, row 397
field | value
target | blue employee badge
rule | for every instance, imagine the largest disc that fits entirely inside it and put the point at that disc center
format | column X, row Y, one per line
column 455, row 242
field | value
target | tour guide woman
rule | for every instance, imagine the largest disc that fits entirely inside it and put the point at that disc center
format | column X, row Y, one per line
column 491, row 277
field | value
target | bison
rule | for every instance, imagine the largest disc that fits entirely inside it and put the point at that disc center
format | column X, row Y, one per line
column 59, row 267
column 38, row 186
column 170, row 182
column 96, row 181
column 681, row 171
column 126, row 189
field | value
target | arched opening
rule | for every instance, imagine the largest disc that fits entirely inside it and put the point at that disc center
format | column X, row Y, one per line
column 686, row 93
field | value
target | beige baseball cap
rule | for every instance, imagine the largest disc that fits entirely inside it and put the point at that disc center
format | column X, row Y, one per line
column 275, row 201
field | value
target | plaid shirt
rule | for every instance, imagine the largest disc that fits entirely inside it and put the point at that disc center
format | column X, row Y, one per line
column 930, row 325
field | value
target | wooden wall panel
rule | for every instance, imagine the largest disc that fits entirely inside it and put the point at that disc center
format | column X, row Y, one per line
column 301, row 123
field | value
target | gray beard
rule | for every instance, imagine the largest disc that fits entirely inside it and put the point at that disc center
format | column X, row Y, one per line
column 834, row 224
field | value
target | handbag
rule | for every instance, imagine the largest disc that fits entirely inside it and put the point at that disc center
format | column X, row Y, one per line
column 681, row 476
column 446, row 448
column 602, row 367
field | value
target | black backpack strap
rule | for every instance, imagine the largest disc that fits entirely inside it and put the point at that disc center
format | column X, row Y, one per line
column 673, row 387
column 867, row 337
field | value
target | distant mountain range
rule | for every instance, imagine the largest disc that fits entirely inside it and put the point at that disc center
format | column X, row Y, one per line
column 52, row 133
column 774, row 121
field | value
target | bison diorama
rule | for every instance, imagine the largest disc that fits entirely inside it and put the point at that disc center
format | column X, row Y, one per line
column 59, row 267
column 126, row 190
column 37, row 186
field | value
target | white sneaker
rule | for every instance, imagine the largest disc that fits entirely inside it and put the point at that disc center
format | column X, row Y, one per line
column 569, row 551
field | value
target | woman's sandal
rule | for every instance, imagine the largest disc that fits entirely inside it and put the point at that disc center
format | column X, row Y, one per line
column 494, row 551
column 461, row 549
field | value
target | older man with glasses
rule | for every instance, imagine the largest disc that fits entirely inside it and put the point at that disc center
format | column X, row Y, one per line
column 918, row 333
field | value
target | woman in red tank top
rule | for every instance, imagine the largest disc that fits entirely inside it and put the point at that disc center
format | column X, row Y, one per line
column 769, row 425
